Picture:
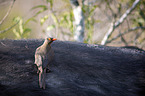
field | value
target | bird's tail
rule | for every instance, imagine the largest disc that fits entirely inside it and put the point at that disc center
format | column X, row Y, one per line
column 42, row 76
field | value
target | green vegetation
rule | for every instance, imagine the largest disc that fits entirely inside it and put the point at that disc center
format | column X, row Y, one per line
column 60, row 20
column 22, row 31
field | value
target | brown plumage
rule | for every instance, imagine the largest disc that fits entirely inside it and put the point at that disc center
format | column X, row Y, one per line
column 43, row 56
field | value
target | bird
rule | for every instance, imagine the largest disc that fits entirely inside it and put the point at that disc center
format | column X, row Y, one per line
column 43, row 57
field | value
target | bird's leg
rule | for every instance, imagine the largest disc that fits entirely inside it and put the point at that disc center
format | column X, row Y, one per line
column 44, row 76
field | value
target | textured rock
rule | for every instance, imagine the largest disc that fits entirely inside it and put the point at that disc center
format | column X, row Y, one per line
column 78, row 70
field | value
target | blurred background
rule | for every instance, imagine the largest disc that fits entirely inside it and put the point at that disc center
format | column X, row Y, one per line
column 105, row 22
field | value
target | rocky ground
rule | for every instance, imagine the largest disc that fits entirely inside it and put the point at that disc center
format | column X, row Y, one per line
column 78, row 70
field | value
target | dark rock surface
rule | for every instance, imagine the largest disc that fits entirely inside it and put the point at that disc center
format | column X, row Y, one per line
column 78, row 70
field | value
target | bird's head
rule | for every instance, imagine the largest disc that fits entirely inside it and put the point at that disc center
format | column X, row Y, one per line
column 50, row 40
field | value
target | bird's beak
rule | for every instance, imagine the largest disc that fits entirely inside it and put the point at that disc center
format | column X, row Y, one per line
column 54, row 39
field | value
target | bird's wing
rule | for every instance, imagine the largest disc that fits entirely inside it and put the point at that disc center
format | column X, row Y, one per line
column 45, row 61
column 48, row 58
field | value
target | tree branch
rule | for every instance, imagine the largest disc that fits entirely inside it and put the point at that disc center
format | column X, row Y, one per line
column 8, row 12
column 117, row 23
column 79, row 21
column 128, row 31
column 123, row 39
column 9, row 28
column 137, row 36
column 123, row 17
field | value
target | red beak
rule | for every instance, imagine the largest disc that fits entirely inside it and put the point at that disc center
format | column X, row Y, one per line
column 54, row 39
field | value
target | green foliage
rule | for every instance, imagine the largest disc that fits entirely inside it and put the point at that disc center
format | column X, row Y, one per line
column 65, row 21
column 43, row 19
column 42, row 9
column 22, row 32
column 31, row 19
column 51, row 3
column 139, row 19
column 50, row 27
column 65, row 18
column 89, row 22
